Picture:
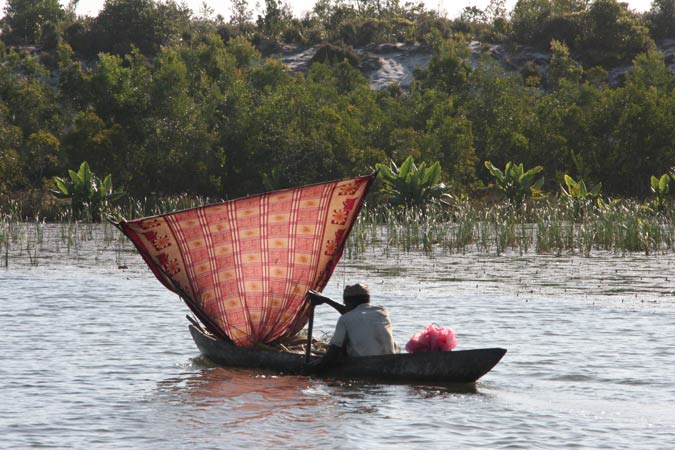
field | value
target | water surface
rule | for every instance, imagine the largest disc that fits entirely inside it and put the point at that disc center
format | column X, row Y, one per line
column 93, row 356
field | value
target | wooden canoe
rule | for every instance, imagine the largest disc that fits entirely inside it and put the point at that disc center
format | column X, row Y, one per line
column 462, row 366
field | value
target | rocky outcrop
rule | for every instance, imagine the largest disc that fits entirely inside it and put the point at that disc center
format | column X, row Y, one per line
column 387, row 64
column 383, row 64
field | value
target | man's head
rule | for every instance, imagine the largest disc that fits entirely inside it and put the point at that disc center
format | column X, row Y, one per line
column 355, row 294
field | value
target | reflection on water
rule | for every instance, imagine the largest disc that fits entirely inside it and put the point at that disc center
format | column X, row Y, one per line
column 95, row 357
column 277, row 408
column 252, row 394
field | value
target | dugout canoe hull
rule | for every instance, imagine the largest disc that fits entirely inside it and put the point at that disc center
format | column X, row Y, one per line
column 461, row 366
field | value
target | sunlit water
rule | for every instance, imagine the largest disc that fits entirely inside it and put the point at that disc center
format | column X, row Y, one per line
column 92, row 356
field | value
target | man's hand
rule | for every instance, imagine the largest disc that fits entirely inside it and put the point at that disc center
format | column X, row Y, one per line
column 316, row 299
column 319, row 299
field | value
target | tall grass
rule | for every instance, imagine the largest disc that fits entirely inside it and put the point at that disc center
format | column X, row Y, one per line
column 549, row 226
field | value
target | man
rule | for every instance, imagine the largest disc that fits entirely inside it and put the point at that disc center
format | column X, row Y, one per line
column 362, row 329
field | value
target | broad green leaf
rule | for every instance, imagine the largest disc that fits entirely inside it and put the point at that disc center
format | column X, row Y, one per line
column 664, row 184
column 406, row 167
column 84, row 173
column 74, row 176
column 106, row 186
column 494, row 170
column 385, row 173
column 62, row 186
column 569, row 181
column 433, row 174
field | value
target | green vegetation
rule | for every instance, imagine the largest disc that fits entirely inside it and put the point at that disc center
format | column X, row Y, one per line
column 177, row 105
column 661, row 189
column 410, row 185
column 86, row 192
column 578, row 195
column 516, row 182
column 547, row 227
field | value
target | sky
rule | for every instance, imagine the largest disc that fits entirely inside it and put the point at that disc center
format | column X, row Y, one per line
column 450, row 8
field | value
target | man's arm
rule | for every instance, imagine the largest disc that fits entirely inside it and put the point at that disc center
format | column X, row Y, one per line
column 320, row 299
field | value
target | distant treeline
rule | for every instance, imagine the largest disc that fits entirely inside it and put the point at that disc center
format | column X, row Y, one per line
column 169, row 101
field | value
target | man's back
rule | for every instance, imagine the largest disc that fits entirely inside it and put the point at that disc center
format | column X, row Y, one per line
column 365, row 331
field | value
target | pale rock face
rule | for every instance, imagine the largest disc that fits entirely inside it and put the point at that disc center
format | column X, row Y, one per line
column 386, row 64
column 383, row 64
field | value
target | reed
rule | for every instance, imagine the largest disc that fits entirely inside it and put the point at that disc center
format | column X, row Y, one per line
column 549, row 226
column 4, row 240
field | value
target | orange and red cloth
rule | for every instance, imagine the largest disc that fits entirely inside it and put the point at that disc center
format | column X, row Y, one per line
column 244, row 266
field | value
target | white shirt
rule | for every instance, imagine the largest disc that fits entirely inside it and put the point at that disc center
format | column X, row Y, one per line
column 365, row 331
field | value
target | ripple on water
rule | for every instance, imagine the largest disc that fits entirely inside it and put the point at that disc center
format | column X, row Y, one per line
column 95, row 357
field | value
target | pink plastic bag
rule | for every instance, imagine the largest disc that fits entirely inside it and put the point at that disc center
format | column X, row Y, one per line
column 432, row 339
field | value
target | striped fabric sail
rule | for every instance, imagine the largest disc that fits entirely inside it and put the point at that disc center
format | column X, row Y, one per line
column 244, row 266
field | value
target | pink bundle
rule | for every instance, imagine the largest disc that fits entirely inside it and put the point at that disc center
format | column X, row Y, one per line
column 432, row 339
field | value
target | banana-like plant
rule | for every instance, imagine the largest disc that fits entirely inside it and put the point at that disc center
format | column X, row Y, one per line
column 412, row 185
column 578, row 194
column 516, row 182
column 578, row 190
column 86, row 191
column 661, row 188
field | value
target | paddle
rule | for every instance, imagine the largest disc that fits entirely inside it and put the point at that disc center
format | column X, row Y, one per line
column 310, row 325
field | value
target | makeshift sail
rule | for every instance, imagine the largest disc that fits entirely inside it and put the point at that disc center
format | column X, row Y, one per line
column 244, row 266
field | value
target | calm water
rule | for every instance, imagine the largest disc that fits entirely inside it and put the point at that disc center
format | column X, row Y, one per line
column 92, row 356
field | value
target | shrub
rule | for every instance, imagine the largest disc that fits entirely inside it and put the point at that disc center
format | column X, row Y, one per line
column 86, row 191
column 334, row 54
column 412, row 185
column 516, row 182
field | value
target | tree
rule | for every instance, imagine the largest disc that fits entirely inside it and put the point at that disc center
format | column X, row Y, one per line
column 649, row 69
column 241, row 13
column 447, row 137
column 562, row 67
column 275, row 15
column 11, row 168
column 243, row 51
column 612, row 34
column 40, row 156
column 448, row 69
column 501, row 111
column 527, row 18
column 661, row 18
column 560, row 7
column 179, row 146
column 633, row 137
column 27, row 21
column 29, row 98
column 143, row 24
column 90, row 139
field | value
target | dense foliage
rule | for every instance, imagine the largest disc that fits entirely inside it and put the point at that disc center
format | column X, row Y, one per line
column 172, row 102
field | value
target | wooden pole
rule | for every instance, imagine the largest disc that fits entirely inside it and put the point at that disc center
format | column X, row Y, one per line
column 310, row 325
